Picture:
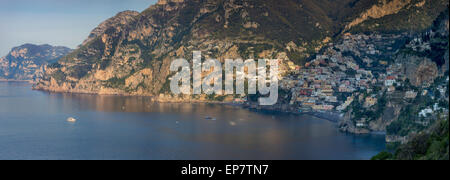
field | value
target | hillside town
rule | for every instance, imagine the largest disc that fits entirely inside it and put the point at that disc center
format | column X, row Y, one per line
column 336, row 77
column 360, row 72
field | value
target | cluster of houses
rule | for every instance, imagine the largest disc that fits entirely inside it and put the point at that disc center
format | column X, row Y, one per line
column 356, row 69
column 335, row 77
column 428, row 111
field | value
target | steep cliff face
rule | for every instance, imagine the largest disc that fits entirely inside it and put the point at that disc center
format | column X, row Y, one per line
column 398, row 15
column 121, row 18
column 419, row 70
column 426, row 56
column 27, row 62
column 377, row 11
column 388, row 114
column 133, row 56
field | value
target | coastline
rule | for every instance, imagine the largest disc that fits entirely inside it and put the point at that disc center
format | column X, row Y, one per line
column 331, row 116
column 12, row 80
column 108, row 113
column 153, row 98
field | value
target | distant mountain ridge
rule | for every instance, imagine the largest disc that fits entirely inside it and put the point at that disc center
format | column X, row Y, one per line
column 27, row 62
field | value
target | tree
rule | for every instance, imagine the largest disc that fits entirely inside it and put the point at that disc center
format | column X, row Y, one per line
column 383, row 156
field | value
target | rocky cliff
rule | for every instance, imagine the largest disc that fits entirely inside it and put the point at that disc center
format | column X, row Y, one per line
column 393, row 16
column 131, row 53
column 27, row 62
column 121, row 18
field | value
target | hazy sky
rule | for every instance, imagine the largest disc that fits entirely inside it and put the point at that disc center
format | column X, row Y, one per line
column 56, row 22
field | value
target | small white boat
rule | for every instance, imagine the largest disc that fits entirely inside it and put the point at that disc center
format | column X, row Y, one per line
column 71, row 119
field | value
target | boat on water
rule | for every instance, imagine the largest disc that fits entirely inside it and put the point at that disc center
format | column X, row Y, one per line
column 71, row 119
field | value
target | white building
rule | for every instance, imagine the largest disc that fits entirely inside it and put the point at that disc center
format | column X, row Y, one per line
column 390, row 81
column 425, row 112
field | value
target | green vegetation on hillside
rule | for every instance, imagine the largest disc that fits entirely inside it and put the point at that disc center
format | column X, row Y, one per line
column 412, row 18
column 430, row 145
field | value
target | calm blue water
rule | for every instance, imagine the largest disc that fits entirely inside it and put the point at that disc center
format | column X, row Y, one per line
column 33, row 126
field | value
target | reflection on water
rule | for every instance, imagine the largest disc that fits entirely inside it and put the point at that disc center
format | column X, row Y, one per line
column 129, row 104
column 33, row 126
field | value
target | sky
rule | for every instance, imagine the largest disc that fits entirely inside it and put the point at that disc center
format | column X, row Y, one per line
column 56, row 22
